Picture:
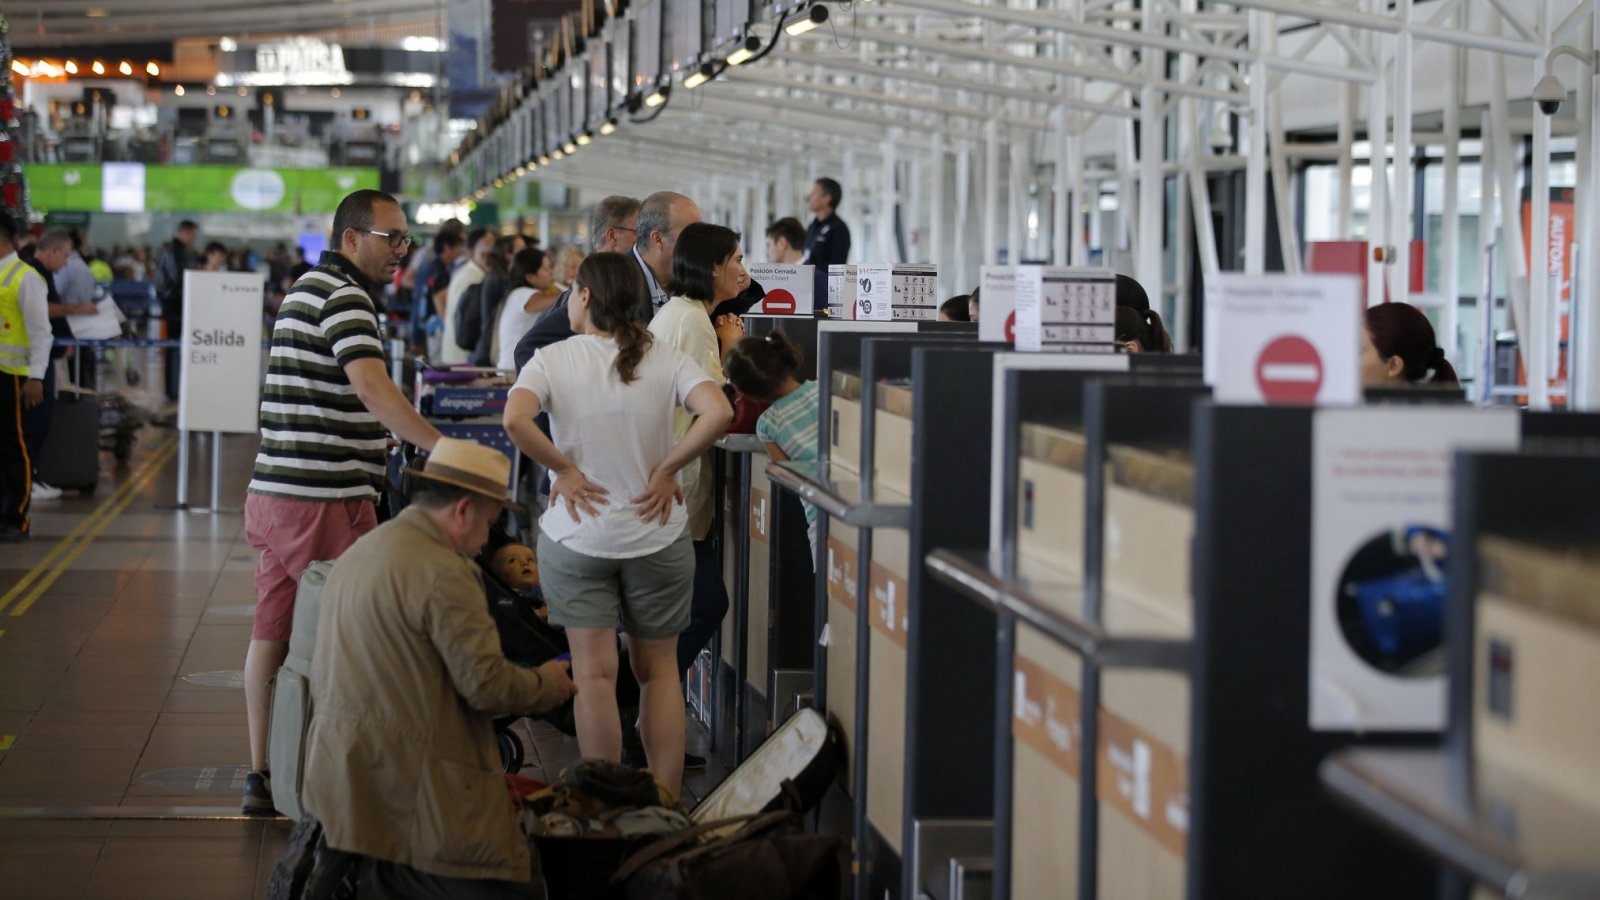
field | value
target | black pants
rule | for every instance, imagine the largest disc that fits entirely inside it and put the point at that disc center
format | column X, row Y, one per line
column 16, row 476
column 173, row 359
column 36, row 422
column 707, row 609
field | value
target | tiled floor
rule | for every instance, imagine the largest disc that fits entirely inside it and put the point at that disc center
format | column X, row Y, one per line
column 95, row 713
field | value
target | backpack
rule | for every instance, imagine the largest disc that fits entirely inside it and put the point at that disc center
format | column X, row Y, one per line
column 469, row 317
column 290, row 723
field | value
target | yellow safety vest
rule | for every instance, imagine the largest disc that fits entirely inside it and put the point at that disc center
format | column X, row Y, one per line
column 13, row 328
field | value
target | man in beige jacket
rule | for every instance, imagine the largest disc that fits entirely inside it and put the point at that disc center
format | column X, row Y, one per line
column 402, row 767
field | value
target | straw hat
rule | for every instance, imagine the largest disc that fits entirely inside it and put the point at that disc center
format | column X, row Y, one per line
column 469, row 465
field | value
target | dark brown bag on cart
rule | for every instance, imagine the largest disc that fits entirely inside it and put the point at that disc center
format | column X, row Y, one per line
column 762, row 857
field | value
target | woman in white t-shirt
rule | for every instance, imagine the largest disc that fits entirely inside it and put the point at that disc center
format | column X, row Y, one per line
column 531, row 294
column 613, row 546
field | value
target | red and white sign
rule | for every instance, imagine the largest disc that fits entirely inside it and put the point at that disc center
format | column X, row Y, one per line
column 789, row 288
column 1293, row 339
column 1289, row 370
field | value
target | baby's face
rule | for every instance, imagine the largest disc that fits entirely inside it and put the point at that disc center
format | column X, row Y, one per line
column 516, row 565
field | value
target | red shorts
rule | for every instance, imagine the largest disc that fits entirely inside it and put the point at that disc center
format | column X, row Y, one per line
column 293, row 534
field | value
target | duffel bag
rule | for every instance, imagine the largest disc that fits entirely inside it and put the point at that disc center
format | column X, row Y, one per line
column 762, row 857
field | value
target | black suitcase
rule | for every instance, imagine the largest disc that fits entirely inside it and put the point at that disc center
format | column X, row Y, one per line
column 70, row 457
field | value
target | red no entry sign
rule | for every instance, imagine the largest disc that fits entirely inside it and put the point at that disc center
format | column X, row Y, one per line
column 1011, row 327
column 779, row 302
column 1289, row 370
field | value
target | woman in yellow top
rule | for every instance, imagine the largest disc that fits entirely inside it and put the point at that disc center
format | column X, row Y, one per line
column 707, row 268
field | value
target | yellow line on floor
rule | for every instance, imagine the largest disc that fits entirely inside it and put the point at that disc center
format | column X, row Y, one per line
column 79, row 540
column 72, row 536
column 6, row 740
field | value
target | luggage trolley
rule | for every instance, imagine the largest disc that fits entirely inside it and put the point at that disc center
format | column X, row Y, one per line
column 467, row 402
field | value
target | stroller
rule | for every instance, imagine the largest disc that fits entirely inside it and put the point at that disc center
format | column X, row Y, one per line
column 525, row 638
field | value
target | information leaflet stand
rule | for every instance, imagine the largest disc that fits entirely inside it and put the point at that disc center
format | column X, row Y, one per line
column 1510, row 803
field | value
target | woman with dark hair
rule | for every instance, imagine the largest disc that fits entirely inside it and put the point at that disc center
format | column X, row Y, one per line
column 613, row 545
column 531, row 280
column 1141, row 331
column 956, row 309
column 707, row 268
column 1398, row 347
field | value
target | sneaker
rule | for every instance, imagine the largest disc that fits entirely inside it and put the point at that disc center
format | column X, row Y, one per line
column 42, row 491
column 258, row 795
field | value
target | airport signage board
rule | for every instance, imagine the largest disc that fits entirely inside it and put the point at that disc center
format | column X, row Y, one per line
column 221, row 346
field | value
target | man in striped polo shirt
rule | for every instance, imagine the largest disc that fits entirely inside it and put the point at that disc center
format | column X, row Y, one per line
column 326, row 410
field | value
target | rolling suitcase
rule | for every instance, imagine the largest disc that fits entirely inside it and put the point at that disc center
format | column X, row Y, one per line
column 291, row 696
column 70, row 456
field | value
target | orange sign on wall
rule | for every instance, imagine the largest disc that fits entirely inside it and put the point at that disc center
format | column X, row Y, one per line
column 1563, row 236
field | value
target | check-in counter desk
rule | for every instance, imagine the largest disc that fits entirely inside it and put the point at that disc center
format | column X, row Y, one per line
column 878, row 506
column 764, row 647
column 1157, row 740
column 1511, row 803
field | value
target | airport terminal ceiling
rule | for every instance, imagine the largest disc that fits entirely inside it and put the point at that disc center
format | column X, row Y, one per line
column 976, row 133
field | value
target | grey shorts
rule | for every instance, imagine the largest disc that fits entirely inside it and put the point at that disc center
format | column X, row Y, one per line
column 646, row 596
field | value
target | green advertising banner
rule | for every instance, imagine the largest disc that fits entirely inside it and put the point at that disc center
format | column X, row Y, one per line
column 55, row 188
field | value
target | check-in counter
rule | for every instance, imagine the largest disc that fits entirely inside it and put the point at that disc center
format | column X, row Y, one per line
column 1143, row 721
column 1510, row 805
column 1050, row 505
column 867, row 492
column 888, row 616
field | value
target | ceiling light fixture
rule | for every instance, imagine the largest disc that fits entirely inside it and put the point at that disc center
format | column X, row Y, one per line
column 99, row 68
column 178, row 90
column 557, row 153
column 71, row 67
column 126, row 68
column 656, row 98
column 610, row 127
column 570, row 147
column 699, row 76
column 746, row 51
column 20, row 67
column 585, row 139
column 813, row 17
column 153, row 69
column 544, row 159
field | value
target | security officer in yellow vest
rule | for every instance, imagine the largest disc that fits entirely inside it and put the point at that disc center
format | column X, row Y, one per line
column 24, row 354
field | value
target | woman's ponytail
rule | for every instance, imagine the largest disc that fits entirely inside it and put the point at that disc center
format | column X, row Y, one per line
column 633, row 340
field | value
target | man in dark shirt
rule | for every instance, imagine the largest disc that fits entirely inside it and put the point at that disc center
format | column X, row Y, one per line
column 177, row 258
column 827, row 237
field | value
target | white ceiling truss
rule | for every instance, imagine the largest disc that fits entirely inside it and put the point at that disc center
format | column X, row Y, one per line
column 947, row 109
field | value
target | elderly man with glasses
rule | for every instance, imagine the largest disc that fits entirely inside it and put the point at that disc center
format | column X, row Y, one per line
column 621, row 224
column 326, row 412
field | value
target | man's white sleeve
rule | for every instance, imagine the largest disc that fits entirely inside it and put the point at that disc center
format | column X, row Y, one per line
column 35, row 300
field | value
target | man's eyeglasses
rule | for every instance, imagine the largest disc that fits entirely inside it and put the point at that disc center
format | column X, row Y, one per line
column 396, row 239
column 625, row 228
